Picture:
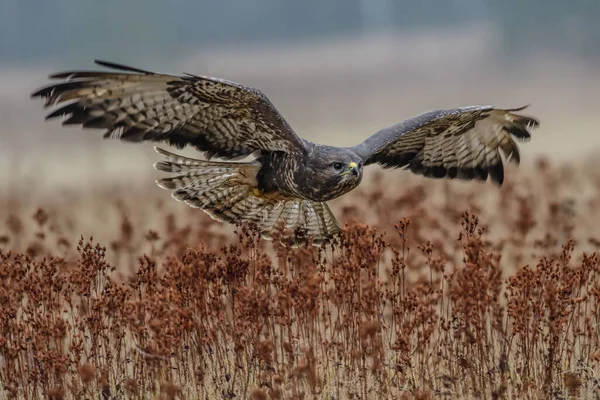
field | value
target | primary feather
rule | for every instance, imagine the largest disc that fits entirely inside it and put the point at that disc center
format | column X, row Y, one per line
column 463, row 143
column 218, row 117
column 288, row 183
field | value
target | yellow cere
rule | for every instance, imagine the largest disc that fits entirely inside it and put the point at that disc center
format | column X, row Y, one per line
column 352, row 164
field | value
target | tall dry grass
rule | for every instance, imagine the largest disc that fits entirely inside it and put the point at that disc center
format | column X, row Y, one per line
column 462, row 291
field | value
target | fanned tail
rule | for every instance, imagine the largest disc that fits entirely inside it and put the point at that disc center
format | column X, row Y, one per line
column 229, row 192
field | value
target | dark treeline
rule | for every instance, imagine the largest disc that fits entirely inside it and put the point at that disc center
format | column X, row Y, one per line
column 39, row 30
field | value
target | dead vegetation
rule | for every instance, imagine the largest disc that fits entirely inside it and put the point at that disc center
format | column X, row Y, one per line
column 463, row 291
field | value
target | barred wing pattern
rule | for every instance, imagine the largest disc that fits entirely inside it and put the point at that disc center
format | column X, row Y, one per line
column 463, row 143
column 218, row 117
column 227, row 192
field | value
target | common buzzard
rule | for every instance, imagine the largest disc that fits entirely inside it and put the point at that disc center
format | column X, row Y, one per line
column 288, row 182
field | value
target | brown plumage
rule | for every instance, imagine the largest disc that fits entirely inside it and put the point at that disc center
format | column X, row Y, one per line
column 290, row 180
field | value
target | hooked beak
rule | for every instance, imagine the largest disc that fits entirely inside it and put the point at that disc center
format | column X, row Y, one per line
column 352, row 168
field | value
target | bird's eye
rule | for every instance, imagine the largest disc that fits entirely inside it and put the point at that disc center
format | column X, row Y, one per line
column 338, row 166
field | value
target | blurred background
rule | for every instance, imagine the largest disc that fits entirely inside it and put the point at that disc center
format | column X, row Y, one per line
column 338, row 70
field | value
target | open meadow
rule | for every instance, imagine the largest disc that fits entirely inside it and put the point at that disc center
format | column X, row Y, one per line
column 109, row 289
column 462, row 291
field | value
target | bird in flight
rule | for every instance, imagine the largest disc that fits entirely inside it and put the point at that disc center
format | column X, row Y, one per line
column 286, row 185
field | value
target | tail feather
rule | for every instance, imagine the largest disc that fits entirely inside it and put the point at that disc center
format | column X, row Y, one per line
column 192, row 180
column 176, row 163
column 228, row 192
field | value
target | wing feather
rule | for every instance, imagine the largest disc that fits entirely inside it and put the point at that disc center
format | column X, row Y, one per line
column 463, row 143
column 214, row 115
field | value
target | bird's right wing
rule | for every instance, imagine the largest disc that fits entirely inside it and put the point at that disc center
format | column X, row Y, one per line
column 463, row 143
column 218, row 117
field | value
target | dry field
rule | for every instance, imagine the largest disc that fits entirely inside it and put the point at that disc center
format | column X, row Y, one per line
column 454, row 290
column 436, row 289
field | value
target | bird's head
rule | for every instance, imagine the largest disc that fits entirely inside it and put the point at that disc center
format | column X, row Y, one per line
column 337, row 170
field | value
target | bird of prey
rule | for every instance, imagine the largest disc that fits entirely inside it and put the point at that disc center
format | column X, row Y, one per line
column 286, row 186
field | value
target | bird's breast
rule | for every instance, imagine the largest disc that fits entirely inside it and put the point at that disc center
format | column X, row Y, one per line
column 289, row 176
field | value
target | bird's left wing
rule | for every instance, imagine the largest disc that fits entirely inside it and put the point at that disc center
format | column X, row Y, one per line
column 463, row 143
column 218, row 117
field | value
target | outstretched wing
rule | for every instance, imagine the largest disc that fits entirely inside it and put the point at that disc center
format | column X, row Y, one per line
column 464, row 143
column 219, row 117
